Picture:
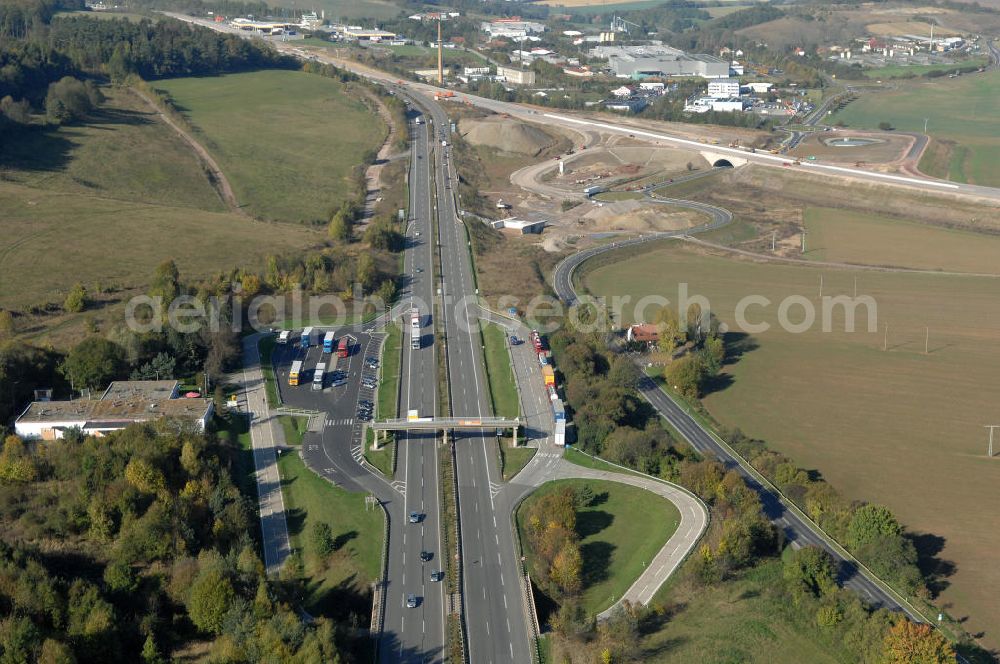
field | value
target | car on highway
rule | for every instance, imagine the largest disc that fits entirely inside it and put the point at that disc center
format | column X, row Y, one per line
column 419, row 270
column 514, row 341
column 417, row 234
column 411, row 601
column 437, row 575
column 426, row 556
column 415, row 517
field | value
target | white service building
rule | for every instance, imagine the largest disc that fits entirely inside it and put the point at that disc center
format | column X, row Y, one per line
column 724, row 88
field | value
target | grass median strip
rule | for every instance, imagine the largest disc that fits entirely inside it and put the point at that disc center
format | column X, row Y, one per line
column 388, row 387
column 381, row 458
column 513, row 459
column 503, row 390
column 265, row 348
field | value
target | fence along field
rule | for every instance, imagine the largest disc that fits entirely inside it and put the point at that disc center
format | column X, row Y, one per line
column 288, row 141
column 898, row 427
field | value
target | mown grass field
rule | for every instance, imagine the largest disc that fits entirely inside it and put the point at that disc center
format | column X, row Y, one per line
column 49, row 240
column 899, row 427
column 357, row 532
column 961, row 110
column 855, row 237
column 389, row 370
column 286, row 140
column 100, row 158
column 620, row 532
column 345, row 9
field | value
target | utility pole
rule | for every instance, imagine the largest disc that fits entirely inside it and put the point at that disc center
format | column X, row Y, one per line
column 885, row 338
column 855, row 288
column 774, row 235
column 821, row 286
column 925, row 124
column 803, row 239
column 991, row 427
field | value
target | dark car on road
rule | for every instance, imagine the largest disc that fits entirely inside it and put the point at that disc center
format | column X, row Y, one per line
column 426, row 556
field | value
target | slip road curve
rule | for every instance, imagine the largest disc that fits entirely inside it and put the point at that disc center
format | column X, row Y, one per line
column 798, row 530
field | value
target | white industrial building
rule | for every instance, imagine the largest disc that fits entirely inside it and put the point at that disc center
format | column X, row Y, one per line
column 511, row 28
column 516, row 76
column 706, row 104
column 724, row 88
column 122, row 404
column 657, row 60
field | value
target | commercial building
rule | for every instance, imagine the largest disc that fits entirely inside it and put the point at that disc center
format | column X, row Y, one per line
column 724, row 88
column 357, row 33
column 511, row 28
column 516, row 76
column 122, row 404
column 657, row 60
column 706, row 104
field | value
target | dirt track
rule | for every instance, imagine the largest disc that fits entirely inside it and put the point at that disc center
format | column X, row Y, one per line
column 218, row 178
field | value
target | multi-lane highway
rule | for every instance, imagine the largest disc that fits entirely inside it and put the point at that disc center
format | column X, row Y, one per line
column 496, row 623
column 420, row 631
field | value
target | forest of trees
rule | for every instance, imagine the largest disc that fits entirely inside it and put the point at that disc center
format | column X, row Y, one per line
column 138, row 547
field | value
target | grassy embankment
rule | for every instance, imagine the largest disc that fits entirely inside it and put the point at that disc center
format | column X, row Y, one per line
column 961, row 118
column 620, row 532
column 894, row 426
column 270, row 132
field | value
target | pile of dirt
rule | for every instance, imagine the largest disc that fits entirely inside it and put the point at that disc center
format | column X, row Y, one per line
column 506, row 135
column 635, row 215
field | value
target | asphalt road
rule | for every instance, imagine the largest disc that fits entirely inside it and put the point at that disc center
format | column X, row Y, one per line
column 419, row 632
column 797, row 530
column 273, row 525
column 495, row 618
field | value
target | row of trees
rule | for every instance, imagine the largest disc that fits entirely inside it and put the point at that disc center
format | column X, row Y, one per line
column 136, row 546
column 870, row 532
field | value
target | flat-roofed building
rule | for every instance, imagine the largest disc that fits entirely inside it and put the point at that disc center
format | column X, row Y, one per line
column 125, row 402
column 657, row 60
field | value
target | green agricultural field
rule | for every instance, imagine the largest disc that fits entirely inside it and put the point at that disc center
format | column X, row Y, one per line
column 959, row 110
column 853, row 237
column 287, row 140
column 620, row 532
column 50, row 240
column 357, row 532
column 894, row 426
column 111, row 155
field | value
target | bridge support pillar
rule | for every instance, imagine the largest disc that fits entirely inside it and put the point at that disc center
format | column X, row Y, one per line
column 444, row 436
column 515, row 435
